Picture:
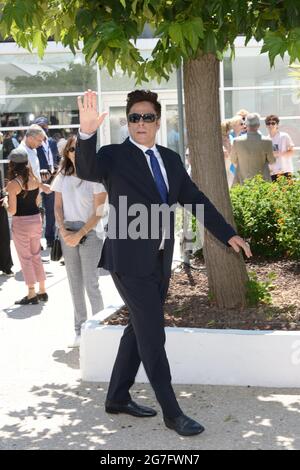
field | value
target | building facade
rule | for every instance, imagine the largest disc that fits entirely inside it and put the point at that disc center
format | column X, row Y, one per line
column 30, row 87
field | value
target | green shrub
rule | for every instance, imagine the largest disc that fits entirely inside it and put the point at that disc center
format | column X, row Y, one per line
column 268, row 216
column 258, row 292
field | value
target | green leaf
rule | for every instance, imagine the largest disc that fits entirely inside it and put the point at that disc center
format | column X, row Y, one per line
column 123, row 3
column 175, row 33
column 210, row 44
column 275, row 45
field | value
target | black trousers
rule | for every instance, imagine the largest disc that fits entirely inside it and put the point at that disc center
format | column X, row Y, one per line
column 48, row 204
column 143, row 340
column 5, row 253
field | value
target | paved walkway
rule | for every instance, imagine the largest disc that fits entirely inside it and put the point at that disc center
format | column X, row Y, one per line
column 45, row 405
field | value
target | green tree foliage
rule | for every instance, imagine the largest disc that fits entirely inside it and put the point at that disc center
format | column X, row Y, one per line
column 184, row 29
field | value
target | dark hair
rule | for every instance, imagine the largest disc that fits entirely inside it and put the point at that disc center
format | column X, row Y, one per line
column 19, row 169
column 137, row 96
column 66, row 166
column 272, row 117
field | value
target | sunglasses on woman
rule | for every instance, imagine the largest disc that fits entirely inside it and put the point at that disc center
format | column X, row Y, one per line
column 147, row 117
column 272, row 123
column 71, row 149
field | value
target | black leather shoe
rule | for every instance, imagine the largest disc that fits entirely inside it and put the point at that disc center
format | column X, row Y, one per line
column 130, row 408
column 184, row 425
column 27, row 301
column 43, row 297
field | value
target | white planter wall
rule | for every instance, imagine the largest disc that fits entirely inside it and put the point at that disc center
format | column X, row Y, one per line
column 203, row 356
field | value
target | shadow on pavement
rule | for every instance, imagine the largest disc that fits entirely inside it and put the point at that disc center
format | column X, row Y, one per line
column 22, row 312
column 60, row 416
column 70, row 358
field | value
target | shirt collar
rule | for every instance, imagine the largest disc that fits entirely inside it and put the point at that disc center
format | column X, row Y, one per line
column 142, row 147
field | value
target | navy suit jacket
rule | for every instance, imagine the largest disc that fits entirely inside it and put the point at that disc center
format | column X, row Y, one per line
column 42, row 157
column 124, row 171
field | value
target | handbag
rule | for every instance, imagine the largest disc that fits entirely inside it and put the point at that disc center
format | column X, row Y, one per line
column 56, row 251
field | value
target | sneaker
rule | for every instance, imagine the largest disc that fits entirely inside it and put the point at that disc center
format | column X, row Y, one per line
column 75, row 343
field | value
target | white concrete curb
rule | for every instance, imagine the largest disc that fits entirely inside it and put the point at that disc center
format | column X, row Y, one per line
column 203, row 356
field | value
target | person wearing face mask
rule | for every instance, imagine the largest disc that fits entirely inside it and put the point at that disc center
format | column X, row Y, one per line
column 283, row 149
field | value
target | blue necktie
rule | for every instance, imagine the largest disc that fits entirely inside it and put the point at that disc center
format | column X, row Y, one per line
column 158, row 177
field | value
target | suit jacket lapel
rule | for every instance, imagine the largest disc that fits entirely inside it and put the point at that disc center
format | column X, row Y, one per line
column 140, row 162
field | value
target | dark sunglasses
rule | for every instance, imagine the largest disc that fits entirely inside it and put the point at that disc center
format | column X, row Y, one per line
column 71, row 149
column 272, row 123
column 147, row 117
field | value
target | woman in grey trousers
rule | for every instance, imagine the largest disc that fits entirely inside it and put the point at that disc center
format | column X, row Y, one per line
column 78, row 209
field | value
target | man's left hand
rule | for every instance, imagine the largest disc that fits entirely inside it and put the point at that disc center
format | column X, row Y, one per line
column 237, row 242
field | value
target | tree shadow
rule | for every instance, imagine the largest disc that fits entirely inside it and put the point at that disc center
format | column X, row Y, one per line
column 64, row 417
column 67, row 417
column 70, row 358
column 21, row 312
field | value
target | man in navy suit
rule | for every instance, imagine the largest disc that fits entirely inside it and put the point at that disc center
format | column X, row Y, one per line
column 146, row 174
column 48, row 157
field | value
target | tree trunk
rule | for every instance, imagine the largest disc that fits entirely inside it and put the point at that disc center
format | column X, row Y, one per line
column 227, row 275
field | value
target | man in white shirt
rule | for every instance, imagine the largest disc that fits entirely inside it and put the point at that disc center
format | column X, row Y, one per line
column 33, row 138
column 152, row 176
column 283, row 149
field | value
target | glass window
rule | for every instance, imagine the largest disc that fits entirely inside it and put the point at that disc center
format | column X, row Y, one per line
column 56, row 73
column 250, row 68
column 122, row 82
column 22, row 111
column 283, row 102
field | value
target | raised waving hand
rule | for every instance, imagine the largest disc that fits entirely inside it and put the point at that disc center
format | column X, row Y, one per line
column 89, row 117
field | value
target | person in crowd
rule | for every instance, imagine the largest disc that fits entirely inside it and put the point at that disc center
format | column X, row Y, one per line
column 78, row 209
column 150, row 175
column 33, row 139
column 61, row 143
column 227, row 146
column 243, row 113
column 283, row 148
column 6, row 261
column 251, row 152
column 9, row 143
column 238, row 127
column 48, row 156
column 23, row 191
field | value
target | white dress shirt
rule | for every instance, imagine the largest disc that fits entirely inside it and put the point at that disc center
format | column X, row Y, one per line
column 33, row 160
column 159, row 159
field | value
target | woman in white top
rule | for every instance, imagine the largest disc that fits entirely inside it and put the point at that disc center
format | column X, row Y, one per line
column 78, row 209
